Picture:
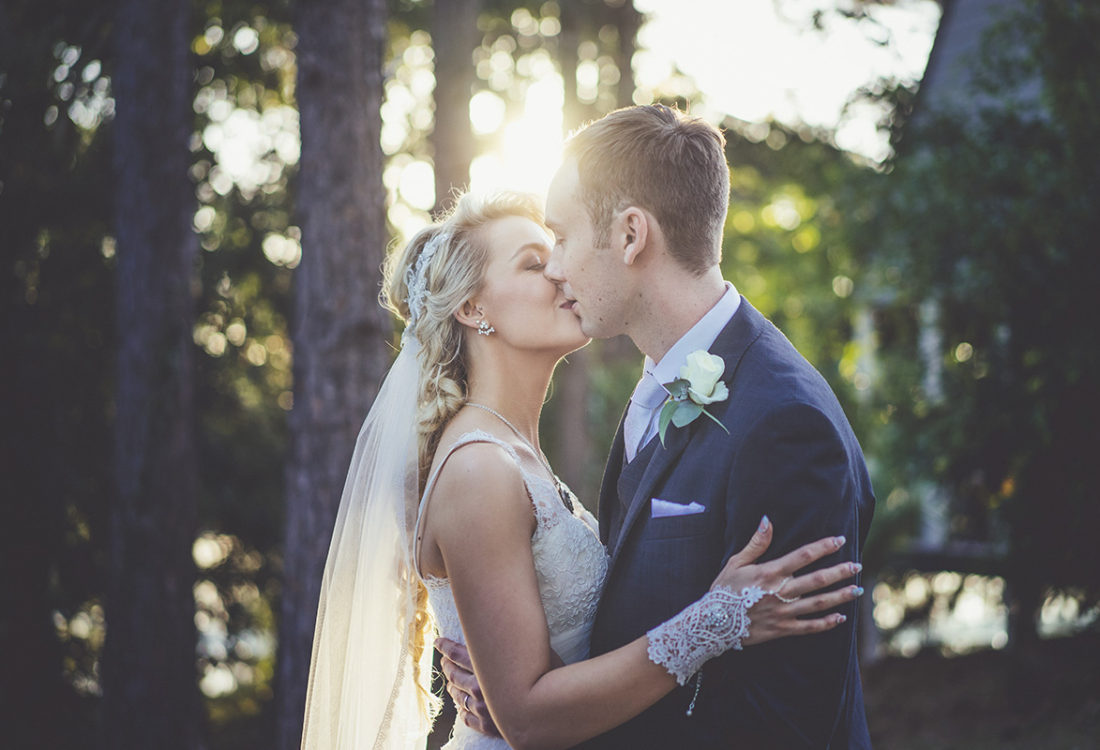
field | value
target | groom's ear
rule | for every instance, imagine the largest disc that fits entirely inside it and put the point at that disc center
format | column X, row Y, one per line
column 635, row 233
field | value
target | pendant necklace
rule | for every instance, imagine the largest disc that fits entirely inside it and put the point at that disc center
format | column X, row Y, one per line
column 563, row 491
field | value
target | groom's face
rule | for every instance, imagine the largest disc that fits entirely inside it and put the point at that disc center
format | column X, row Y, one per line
column 588, row 275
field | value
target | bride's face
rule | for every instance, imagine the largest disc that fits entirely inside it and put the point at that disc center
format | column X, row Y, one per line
column 527, row 310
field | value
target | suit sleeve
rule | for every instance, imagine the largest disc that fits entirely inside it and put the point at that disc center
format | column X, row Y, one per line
column 792, row 467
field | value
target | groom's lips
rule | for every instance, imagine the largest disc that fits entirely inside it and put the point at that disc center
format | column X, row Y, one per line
column 569, row 304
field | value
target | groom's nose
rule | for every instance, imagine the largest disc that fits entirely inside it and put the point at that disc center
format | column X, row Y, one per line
column 553, row 269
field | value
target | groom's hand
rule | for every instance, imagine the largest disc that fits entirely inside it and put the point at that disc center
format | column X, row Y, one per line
column 463, row 687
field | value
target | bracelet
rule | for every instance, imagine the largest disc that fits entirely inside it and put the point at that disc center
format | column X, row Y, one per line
column 711, row 626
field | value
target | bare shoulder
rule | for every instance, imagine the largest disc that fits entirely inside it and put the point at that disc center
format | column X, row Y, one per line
column 480, row 484
column 478, row 462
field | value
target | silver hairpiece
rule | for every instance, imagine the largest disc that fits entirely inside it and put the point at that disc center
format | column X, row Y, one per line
column 416, row 278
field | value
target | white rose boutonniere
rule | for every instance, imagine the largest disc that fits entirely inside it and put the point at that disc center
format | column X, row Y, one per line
column 700, row 383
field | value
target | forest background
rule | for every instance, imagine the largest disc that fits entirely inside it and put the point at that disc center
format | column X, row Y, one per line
column 195, row 198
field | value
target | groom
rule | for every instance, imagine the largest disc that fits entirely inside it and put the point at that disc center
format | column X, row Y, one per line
column 637, row 209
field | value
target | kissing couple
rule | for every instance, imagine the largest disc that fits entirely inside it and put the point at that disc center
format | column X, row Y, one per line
column 713, row 605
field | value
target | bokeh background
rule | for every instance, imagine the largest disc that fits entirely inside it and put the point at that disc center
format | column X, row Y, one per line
column 196, row 195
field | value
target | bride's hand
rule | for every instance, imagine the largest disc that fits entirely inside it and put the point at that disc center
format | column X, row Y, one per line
column 790, row 598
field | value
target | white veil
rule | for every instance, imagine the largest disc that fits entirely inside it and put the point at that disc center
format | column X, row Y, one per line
column 362, row 692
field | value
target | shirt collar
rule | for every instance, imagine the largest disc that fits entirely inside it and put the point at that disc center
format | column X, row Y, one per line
column 700, row 336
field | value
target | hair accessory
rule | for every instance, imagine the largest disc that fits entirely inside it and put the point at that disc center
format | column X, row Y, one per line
column 416, row 278
column 484, row 329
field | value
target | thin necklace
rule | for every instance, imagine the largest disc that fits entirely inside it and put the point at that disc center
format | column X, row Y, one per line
column 563, row 491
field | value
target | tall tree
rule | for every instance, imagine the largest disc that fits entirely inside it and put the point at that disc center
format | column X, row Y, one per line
column 56, row 294
column 454, row 37
column 575, row 441
column 340, row 333
column 628, row 21
column 150, row 693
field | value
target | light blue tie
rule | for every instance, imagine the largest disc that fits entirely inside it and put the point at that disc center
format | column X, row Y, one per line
column 647, row 396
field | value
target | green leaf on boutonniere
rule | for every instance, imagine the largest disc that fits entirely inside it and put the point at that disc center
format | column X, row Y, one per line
column 666, row 416
column 686, row 412
column 679, row 413
column 678, row 390
column 715, row 419
column 686, row 402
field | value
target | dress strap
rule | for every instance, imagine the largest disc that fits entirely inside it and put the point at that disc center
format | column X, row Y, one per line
column 475, row 436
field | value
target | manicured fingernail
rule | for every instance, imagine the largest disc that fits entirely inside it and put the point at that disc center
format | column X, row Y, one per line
column 839, row 542
column 764, row 522
column 856, row 567
column 858, row 591
column 841, row 618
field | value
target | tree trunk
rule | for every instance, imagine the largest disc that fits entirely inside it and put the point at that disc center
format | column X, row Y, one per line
column 629, row 20
column 572, row 440
column 573, row 444
column 568, row 60
column 340, row 332
column 149, row 685
column 454, row 37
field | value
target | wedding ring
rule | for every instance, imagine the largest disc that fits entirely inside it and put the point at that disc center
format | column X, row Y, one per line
column 780, row 597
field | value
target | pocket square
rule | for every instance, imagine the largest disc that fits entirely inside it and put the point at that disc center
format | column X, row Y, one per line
column 664, row 508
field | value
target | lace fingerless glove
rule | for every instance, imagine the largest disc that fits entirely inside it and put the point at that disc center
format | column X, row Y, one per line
column 709, row 627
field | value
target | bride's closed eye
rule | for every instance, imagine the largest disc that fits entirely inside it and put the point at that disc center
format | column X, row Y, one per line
column 534, row 262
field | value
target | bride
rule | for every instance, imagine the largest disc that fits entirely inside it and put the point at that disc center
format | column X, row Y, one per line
column 452, row 519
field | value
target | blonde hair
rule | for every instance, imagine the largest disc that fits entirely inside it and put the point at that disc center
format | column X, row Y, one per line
column 452, row 275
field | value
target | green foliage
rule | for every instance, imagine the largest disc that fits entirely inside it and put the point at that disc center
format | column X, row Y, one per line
column 985, row 231
column 244, row 101
column 785, row 248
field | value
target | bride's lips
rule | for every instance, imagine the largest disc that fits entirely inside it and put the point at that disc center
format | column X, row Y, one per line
column 569, row 304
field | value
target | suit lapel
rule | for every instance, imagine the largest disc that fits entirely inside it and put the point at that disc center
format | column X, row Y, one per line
column 664, row 458
column 734, row 340
column 609, row 488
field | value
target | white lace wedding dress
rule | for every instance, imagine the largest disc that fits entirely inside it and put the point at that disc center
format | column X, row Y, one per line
column 570, row 563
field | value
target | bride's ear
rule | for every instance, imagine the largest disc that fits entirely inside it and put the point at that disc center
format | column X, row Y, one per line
column 470, row 314
column 634, row 228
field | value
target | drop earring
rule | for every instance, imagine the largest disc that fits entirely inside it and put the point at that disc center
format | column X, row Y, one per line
column 484, row 329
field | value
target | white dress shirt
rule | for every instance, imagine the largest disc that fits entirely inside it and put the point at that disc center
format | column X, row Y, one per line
column 640, row 425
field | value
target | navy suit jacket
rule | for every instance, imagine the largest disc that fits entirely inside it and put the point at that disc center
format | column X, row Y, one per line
column 791, row 454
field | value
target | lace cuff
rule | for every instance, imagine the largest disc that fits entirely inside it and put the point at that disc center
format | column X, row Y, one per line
column 709, row 627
